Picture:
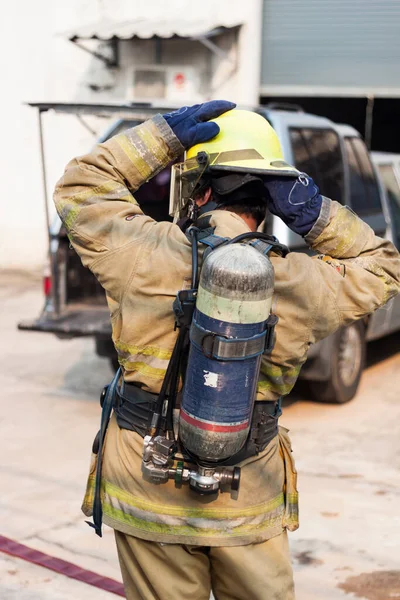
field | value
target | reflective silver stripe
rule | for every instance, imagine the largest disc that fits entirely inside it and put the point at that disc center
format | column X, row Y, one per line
column 151, row 361
column 321, row 222
column 212, row 525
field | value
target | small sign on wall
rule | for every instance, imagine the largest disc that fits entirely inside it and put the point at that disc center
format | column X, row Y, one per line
column 164, row 82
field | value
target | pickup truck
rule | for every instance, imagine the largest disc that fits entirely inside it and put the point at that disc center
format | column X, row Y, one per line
column 337, row 159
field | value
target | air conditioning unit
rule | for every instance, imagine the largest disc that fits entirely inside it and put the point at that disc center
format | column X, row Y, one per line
column 164, row 82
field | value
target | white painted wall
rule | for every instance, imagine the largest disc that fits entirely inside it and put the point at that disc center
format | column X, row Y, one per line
column 35, row 65
column 38, row 64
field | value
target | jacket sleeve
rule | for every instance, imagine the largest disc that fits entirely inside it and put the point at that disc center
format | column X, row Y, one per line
column 354, row 273
column 94, row 199
column 358, row 271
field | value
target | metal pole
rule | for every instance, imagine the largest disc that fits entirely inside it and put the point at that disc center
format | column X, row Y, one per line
column 369, row 116
column 109, row 62
column 157, row 51
column 53, row 307
column 44, row 177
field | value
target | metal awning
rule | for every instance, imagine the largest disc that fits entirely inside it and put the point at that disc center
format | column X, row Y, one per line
column 201, row 30
column 150, row 28
column 136, row 110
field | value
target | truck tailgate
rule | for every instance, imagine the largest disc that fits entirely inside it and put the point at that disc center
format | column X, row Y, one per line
column 77, row 321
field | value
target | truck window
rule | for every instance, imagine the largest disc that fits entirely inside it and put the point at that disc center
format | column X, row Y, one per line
column 393, row 193
column 317, row 153
column 152, row 196
column 364, row 191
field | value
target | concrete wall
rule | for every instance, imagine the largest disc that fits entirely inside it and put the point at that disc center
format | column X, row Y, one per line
column 39, row 64
column 36, row 65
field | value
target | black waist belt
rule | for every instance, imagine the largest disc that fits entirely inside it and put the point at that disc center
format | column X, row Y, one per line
column 134, row 409
column 264, row 427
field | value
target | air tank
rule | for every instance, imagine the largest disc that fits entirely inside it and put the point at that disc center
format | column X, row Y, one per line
column 226, row 342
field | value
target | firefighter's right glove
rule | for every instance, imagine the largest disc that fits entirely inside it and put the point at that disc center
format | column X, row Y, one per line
column 296, row 201
column 190, row 125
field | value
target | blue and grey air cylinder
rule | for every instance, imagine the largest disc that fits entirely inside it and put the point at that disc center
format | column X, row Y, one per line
column 226, row 342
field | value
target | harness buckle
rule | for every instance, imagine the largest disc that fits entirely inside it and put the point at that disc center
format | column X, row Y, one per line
column 183, row 307
column 270, row 333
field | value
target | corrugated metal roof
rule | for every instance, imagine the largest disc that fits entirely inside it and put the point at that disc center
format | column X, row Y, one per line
column 145, row 28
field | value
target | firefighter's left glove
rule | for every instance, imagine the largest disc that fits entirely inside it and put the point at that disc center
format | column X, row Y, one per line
column 296, row 201
column 190, row 125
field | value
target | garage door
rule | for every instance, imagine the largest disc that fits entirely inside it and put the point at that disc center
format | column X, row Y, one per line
column 353, row 44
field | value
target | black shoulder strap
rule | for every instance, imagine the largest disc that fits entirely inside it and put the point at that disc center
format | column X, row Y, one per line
column 213, row 241
column 270, row 242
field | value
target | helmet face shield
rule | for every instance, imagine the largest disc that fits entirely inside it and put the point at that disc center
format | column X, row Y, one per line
column 185, row 176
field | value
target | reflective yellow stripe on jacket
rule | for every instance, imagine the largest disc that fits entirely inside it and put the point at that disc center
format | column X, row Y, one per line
column 151, row 361
column 277, row 379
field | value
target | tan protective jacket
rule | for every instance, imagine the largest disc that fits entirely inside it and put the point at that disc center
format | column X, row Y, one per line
column 142, row 264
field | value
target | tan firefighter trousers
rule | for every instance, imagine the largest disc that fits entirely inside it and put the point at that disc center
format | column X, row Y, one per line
column 153, row 571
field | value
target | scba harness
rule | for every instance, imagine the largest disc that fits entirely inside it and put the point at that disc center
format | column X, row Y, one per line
column 224, row 327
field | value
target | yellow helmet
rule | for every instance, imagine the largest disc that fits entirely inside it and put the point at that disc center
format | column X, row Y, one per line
column 246, row 143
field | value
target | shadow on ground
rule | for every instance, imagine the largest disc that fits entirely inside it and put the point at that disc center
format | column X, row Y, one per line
column 89, row 375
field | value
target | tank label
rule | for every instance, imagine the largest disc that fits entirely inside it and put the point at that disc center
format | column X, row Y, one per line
column 210, row 379
column 233, row 311
column 219, row 392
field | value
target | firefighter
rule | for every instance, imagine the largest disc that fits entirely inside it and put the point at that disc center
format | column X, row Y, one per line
column 173, row 543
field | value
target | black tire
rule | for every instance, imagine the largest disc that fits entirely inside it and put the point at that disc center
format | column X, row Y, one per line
column 105, row 347
column 114, row 362
column 347, row 364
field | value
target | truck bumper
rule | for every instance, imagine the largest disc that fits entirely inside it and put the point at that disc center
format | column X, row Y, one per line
column 76, row 322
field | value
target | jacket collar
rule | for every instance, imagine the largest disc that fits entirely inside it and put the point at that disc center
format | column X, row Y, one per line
column 226, row 223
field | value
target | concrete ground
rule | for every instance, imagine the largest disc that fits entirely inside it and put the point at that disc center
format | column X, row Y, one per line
column 348, row 457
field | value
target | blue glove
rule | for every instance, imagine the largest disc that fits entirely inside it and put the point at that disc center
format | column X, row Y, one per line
column 189, row 123
column 296, row 201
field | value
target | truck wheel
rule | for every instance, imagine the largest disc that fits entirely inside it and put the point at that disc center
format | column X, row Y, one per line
column 347, row 364
column 105, row 347
column 114, row 362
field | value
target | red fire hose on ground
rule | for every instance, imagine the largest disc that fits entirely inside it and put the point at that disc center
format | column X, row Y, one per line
column 60, row 566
